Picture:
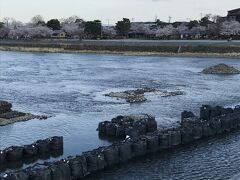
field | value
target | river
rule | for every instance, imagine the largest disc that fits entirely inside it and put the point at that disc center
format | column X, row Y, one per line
column 71, row 88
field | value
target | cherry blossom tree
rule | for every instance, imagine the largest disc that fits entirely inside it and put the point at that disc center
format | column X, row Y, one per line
column 73, row 30
column 4, row 31
column 138, row 28
column 213, row 30
column 166, row 31
column 182, row 30
column 230, row 28
column 18, row 33
column 39, row 32
column 198, row 31
column 109, row 31
column 26, row 32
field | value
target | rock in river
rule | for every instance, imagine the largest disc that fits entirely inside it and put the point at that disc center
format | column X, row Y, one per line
column 8, row 116
column 5, row 107
column 138, row 95
column 221, row 69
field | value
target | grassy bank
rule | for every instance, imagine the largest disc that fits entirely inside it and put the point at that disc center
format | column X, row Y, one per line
column 126, row 48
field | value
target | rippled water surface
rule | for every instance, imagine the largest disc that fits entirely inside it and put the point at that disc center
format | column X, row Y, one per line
column 70, row 88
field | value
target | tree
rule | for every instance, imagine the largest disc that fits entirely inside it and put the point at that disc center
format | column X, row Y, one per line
column 37, row 20
column 4, row 31
column 12, row 23
column 142, row 29
column 198, row 31
column 138, row 28
column 213, row 30
column 54, row 24
column 166, row 31
column 73, row 29
column 26, row 32
column 19, row 33
column 230, row 28
column 93, row 29
column 182, row 30
column 109, row 31
column 192, row 24
column 39, row 32
column 1, row 24
column 6, row 21
column 205, row 21
column 71, row 20
column 123, row 27
column 215, row 18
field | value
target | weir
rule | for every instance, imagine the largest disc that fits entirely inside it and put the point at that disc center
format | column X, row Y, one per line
column 132, row 126
column 212, row 121
column 17, row 153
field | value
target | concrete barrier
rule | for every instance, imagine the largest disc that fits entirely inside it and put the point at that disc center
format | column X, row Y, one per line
column 60, row 170
column 39, row 171
column 3, row 157
column 111, row 154
column 56, row 143
column 78, row 166
column 139, row 147
column 125, row 151
column 95, row 160
column 30, row 151
column 132, row 125
column 17, row 153
column 14, row 153
column 212, row 121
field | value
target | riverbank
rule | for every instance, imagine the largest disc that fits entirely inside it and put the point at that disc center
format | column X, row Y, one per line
column 134, row 48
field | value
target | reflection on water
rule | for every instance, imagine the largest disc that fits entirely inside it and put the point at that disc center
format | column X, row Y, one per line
column 70, row 88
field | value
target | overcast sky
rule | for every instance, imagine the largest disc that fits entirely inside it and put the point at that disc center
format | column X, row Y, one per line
column 113, row 10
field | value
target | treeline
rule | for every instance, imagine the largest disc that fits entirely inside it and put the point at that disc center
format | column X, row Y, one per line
column 209, row 27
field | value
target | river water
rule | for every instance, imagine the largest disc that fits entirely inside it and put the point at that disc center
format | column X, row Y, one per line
column 70, row 88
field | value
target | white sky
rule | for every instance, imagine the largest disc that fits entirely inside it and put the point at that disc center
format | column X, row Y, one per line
column 113, row 10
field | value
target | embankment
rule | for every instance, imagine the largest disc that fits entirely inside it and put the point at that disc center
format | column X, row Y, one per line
column 128, row 47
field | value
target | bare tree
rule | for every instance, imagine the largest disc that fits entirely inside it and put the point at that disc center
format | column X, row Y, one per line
column 36, row 20
column 71, row 20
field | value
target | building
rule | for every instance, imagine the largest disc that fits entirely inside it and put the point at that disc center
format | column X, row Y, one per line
column 221, row 19
column 58, row 34
column 234, row 15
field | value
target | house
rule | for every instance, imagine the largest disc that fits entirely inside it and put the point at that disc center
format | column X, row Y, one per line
column 221, row 19
column 234, row 15
column 58, row 34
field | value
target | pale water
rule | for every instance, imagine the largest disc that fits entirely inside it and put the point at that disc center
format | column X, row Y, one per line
column 70, row 88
